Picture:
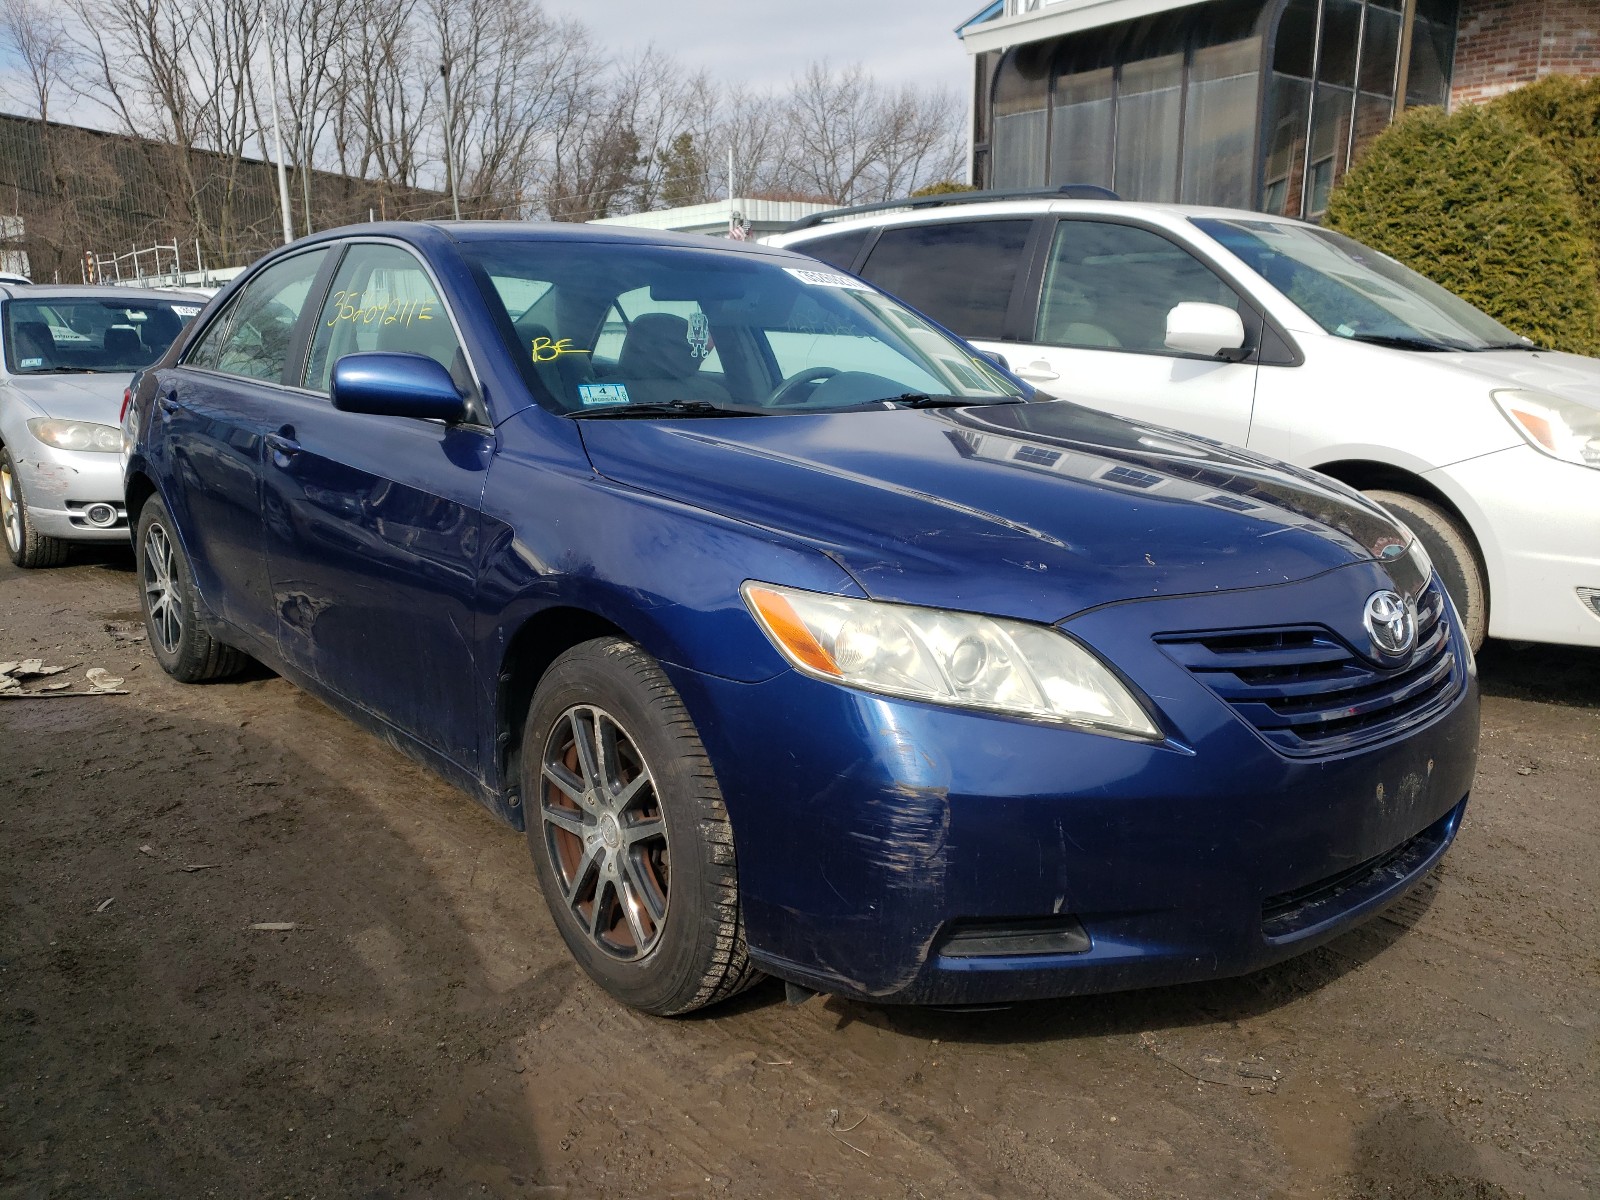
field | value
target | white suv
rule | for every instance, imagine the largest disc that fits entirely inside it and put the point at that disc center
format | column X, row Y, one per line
column 1292, row 340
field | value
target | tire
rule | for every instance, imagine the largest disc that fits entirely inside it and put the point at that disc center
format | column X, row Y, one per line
column 655, row 831
column 1451, row 548
column 171, row 608
column 26, row 548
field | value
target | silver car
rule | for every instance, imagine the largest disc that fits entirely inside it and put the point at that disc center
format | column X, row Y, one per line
column 66, row 355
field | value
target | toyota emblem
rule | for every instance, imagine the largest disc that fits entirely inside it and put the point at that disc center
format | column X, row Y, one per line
column 1391, row 622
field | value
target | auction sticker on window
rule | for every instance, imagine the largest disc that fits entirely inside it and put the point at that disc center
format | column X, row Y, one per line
column 186, row 310
column 828, row 279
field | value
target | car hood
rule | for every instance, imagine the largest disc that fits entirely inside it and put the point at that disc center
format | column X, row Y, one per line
column 95, row 398
column 1570, row 376
column 1035, row 511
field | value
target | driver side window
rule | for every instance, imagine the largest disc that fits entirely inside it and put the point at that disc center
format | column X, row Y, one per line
column 254, row 337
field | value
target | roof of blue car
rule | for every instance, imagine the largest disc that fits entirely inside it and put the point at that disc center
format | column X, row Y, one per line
column 477, row 231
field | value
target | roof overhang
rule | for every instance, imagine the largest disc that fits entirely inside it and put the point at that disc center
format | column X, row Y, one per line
column 1056, row 19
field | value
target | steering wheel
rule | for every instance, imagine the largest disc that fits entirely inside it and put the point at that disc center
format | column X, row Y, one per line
column 788, row 392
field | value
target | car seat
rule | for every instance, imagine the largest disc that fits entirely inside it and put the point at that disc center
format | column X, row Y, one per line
column 123, row 344
column 657, row 364
column 35, row 341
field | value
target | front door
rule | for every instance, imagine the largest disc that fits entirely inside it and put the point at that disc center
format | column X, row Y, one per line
column 372, row 521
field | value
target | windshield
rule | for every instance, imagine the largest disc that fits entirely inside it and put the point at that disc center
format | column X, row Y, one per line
column 71, row 334
column 612, row 329
column 1352, row 291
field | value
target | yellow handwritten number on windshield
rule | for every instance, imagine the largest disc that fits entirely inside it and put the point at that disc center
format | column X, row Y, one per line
column 548, row 349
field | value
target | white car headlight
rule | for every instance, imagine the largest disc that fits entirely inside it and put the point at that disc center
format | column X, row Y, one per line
column 1563, row 429
column 77, row 435
column 954, row 658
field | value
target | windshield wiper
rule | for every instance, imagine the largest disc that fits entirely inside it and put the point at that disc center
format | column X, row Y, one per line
column 1509, row 346
column 924, row 400
column 669, row 408
column 64, row 371
column 1398, row 342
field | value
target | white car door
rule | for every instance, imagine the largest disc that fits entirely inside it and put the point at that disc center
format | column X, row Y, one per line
column 1100, row 331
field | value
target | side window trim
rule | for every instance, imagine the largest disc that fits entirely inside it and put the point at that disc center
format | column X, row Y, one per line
column 1270, row 344
column 294, row 372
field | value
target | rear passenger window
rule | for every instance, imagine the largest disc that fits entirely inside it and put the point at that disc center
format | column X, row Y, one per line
column 253, row 337
column 1110, row 287
column 958, row 272
column 382, row 299
column 840, row 249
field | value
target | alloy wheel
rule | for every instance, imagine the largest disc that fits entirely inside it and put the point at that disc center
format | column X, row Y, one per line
column 604, row 832
column 10, row 508
column 162, row 601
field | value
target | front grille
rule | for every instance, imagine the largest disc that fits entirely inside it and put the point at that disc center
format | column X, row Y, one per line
column 1309, row 692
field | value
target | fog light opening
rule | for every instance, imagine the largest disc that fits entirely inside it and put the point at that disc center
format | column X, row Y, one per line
column 101, row 516
column 1591, row 598
column 1019, row 937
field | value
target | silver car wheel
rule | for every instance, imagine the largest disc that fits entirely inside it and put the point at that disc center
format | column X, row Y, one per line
column 162, row 601
column 10, row 508
column 604, row 832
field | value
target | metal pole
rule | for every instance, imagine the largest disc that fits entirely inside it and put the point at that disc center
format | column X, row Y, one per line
column 449, row 144
column 277, row 141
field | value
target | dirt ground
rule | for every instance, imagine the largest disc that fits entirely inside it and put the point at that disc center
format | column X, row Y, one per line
column 423, row 1033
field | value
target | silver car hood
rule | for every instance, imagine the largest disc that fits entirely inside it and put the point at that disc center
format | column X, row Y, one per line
column 95, row 397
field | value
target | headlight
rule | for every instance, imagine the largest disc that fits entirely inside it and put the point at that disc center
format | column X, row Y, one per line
column 77, row 435
column 1560, row 428
column 954, row 658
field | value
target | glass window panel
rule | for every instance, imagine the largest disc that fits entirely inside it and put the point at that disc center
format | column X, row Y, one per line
column 1021, row 93
column 840, row 249
column 1219, row 124
column 1380, row 51
column 1289, row 104
column 1432, row 54
column 1080, row 141
column 381, row 299
column 1148, row 108
column 1330, row 140
column 254, row 338
column 1373, row 114
column 1111, row 286
column 1297, row 39
column 1341, row 30
column 958, row 272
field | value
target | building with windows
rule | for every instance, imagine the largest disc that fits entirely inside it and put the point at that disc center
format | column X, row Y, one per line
column 1257, row 104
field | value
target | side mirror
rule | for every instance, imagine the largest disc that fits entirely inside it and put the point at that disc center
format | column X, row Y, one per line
column 1209, row 330
column 395, row 385
column 996, row 358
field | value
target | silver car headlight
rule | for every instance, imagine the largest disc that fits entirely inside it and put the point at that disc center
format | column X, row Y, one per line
column 77, row 435
column 1563, row 429
column 955, row 658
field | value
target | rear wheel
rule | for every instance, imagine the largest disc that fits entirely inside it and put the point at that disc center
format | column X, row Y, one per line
column 185, row 651
column 26, row 548
column 628, row 832
column 1450, row 547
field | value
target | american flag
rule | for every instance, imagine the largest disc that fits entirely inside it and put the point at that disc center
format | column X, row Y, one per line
column 738, row 227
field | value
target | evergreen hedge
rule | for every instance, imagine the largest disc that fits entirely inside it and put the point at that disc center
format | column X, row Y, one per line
column 1564, row 113
column 1476, row 202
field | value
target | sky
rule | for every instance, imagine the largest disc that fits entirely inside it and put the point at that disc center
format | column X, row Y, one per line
column 763, row 43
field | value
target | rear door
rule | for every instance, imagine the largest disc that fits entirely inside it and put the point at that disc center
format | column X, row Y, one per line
column 372, row 521
column 214, row 410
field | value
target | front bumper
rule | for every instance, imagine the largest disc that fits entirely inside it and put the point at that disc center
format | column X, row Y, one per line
column 59, row 486
column 868, row 829
column 1538, row 523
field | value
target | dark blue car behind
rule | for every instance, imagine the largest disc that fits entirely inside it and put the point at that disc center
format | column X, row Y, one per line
column 798, row 637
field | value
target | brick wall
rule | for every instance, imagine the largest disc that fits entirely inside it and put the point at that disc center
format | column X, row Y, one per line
column 1503, row 44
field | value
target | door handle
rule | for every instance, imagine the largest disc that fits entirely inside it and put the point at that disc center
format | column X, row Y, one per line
column 1037, row 372
column 285, row 447
column 167, row 402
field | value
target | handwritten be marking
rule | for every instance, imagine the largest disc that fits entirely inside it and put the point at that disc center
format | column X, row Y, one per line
column 548, row 349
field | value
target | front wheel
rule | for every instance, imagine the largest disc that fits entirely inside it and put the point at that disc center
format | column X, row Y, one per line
column 171, row 609
column 629, row 834
column 1451, row 549
column 26, row 547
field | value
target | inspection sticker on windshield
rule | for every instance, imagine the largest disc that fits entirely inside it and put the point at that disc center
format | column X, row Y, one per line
column 828, row 279
column 593, row 394
column 28, row 363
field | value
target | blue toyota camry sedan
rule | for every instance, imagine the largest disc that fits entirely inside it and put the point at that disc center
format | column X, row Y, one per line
column 798, row 637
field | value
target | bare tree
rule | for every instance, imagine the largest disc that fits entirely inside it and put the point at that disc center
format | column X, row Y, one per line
column 37, row 36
